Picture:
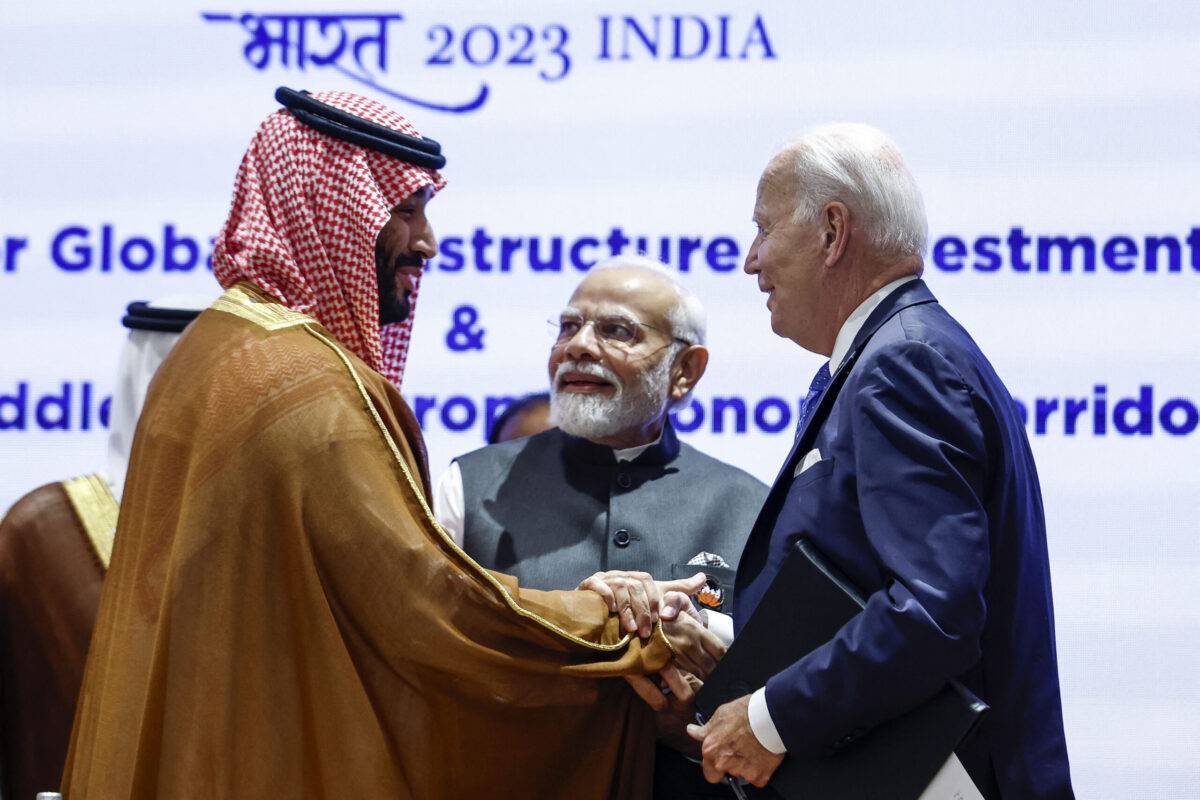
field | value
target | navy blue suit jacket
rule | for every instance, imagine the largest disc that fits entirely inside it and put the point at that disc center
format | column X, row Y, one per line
column 926, row 496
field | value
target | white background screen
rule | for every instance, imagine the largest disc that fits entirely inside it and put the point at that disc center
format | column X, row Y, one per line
column 1027, row 125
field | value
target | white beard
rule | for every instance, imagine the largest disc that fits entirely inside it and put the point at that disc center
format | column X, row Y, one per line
column 594, row 416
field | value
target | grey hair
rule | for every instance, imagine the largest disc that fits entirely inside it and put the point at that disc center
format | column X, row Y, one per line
column 861, row 167
column 687, row 316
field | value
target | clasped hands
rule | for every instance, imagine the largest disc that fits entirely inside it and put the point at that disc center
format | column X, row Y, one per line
column 726, row 743
column 640, row 601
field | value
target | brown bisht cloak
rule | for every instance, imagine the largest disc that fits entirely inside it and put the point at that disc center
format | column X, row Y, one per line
column 54, row 545
column 284, row 618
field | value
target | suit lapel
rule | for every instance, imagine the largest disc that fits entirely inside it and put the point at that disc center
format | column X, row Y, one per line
column 910, row 294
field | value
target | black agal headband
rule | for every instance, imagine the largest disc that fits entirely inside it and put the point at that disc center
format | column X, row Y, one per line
column 144, row 317
column 364, row 133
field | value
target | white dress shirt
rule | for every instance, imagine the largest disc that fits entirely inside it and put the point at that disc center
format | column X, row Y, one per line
column 722, row 624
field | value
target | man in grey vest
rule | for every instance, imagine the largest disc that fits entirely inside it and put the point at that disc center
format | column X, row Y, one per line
column 611, row 497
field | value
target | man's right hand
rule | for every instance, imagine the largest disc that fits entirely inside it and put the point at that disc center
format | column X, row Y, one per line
column 697, row 649
column 640, row 600
column 673, row 710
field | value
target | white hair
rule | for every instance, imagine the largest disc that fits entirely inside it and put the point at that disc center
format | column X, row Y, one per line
column 688, row 319
column 861, row 167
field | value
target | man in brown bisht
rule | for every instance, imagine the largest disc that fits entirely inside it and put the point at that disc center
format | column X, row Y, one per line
column 283, row 617
column 55, row 544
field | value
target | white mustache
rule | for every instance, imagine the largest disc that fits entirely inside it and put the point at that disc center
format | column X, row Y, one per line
column 590, row 369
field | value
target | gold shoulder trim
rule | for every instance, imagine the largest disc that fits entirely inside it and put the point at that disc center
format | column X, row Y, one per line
column 446, row 537
column 241, row 302
column 97, row 510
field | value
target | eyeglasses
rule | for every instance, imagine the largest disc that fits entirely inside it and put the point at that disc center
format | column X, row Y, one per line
column 610, row 331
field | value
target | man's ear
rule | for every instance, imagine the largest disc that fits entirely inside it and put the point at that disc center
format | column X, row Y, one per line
column 688, row 370
column 835, row 231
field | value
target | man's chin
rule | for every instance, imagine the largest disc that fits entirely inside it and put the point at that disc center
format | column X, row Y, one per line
column 587, row 399
column 587, row 415
column 397, row 311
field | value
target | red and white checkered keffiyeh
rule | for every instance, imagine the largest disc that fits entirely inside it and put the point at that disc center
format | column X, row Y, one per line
column 306, row 211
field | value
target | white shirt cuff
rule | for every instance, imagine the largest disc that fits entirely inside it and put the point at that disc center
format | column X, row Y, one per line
column 761, row 723
column 721, row 626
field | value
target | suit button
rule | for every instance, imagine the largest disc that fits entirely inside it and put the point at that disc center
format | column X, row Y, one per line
column 623, row 480
column 621, row 538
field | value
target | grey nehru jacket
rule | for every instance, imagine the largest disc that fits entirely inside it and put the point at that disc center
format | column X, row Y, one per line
column 552, row 509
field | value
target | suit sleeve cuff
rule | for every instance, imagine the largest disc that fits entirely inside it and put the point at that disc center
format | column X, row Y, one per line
column 721, row 626
column 762, row 725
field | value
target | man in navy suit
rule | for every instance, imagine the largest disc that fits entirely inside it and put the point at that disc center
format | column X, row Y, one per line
column 911, row 472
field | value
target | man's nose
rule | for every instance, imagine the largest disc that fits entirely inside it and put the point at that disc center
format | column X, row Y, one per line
column 750, row 266
column 583, row 344
column 426, row 242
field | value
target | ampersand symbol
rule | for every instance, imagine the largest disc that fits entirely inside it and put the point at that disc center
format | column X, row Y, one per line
column 462, row 335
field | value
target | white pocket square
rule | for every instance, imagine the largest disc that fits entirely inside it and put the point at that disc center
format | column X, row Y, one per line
column 810, row 458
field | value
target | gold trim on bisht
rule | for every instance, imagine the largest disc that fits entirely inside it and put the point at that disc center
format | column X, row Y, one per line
column 241, row 301
column 97, row 509
column 446, row 537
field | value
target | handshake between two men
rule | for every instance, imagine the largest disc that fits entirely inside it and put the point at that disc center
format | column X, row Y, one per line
column 726, row 743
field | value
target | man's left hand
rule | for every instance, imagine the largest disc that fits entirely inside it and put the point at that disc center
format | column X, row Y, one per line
column 729, row 746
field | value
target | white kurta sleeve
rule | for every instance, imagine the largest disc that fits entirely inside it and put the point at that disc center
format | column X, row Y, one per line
column 448, row 504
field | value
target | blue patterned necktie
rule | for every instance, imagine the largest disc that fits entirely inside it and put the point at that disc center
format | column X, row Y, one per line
column 820, row 383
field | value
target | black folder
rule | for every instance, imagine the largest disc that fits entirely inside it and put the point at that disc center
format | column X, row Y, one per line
column 805, row 606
